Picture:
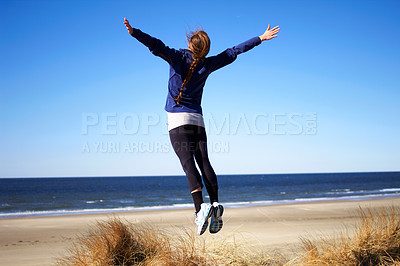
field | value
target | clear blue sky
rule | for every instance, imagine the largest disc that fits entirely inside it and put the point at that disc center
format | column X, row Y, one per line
column 80, row 97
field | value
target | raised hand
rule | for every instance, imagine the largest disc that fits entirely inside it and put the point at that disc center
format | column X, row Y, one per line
column 269, row 34
column 128, row 26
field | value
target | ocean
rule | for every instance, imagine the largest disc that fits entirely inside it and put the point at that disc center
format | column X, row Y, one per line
column 26, row 197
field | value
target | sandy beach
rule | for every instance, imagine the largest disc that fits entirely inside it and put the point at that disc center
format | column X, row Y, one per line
column 40, row 240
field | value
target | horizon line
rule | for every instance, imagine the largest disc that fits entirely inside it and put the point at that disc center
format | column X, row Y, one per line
column 303, row 173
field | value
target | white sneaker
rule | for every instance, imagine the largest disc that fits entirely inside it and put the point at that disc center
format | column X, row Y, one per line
column 216, row 218
column 202, row 216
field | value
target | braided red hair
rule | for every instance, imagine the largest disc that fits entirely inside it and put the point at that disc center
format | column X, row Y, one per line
column 199, row 45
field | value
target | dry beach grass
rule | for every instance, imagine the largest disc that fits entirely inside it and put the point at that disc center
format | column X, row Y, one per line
column 117, row 242
column 376, row 241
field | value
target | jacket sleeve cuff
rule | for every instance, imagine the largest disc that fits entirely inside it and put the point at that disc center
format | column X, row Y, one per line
column 136, row 32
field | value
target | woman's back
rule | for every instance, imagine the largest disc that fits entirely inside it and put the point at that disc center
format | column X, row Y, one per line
column 185, row 93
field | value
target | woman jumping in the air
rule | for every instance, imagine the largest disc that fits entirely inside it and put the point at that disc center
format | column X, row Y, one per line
column 189, row 69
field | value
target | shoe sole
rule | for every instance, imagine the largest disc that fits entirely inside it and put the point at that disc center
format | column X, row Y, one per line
column 204, row 227
column 216, row 223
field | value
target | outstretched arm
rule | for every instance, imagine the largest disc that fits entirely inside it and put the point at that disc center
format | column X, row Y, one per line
column 156, row 46
column 229, row 55
column 269, row 34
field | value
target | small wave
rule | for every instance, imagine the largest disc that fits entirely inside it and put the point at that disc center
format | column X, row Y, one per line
column 126, row 201
column 93, row 201
column 88, row 211
column 355, row 197
column 389, row 190
column 340, row 191
column 348, row 191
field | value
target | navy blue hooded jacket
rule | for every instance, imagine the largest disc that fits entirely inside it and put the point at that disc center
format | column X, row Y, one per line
column 180, row 61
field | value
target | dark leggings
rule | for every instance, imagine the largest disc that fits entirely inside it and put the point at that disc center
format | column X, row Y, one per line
column 190, row 144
